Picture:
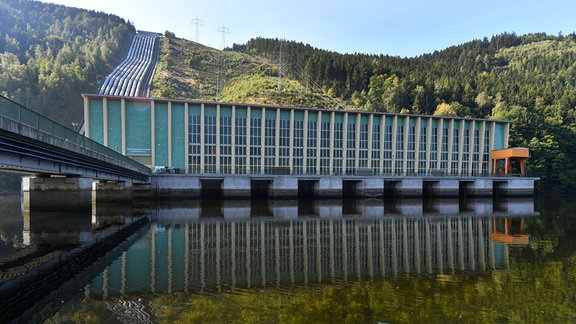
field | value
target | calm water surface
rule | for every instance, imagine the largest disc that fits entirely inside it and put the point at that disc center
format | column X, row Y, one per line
column 327, row 261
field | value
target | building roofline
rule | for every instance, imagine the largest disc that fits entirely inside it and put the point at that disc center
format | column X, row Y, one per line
column 196, row 101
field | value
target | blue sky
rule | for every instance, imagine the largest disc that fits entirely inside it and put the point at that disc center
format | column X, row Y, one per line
column 405, row 28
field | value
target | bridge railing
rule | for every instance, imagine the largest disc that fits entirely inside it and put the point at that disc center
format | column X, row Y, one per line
column 23, row 115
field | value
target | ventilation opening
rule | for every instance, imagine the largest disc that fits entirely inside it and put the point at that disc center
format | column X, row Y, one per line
column 390, row 189
column 306, row 188
column 350, row 188
column 260, row 189
column 211, row 188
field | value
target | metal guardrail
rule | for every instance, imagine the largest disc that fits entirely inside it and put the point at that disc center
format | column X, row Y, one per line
column 23, row 115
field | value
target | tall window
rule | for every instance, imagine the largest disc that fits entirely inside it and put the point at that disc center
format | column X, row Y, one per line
column 284, row 148
column 375, row 164
column 240, row 147
column 434, row 149
column 270, row 144
column 312, row 147
column 476, row 153
column 444, row 152
column 388, row 149
column 255, row 145
column 455, row 150
column 325, row 148
column 209, row 144
column 194, row 140
column 351, row 148
column 411, row 154
column 363, row 150
column 399, row 168
column 225, row 145
column 338, row 136
column 298, row 147
column 422, row 150
column 466, row 153
column 486, row 158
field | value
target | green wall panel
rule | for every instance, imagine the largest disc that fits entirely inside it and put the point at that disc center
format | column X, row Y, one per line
column 115, row 125
column 352, row 118
column 271, row 114
column 161, row 129
column 178, row 137
column 138, row 129
column 209, row 110
column 284, row 114
column 298, row 115
column 312, row 116
column 96, row 120
column 194, row 109
column 498, row 136
column 255, row 113
column 241, row 112
column 225, row 111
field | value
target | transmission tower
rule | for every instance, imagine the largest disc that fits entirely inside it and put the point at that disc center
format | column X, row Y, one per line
column 280, row 86
column 223, row 30
column 198, row 23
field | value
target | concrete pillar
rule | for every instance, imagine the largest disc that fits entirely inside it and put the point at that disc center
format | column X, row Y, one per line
column 408, row 207
column 371, row 187
column 329, row 208
column 169, row 186
column 284, row 187
column 47, row 183
column 444, row 187
column 516, row 187
column 112, row 191
column 329, row 187
column 445, row 206
column 480, row 188
column 57, row 217
column 480, row 206
column 236, row 209
column 371, row 208
column 284, row 209
column 409, row 188
column 236, row 187
column 105, row 214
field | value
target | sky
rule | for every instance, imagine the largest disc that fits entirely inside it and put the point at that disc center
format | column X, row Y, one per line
column 405, row 28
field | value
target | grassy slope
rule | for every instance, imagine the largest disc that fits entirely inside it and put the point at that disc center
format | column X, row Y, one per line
column 189, row 70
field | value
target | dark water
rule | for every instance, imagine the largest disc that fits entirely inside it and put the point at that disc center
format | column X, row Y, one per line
column 317, row 261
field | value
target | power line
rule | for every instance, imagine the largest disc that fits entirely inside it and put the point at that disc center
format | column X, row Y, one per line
column 280, row 86
column 223, row 30
column 198, row 23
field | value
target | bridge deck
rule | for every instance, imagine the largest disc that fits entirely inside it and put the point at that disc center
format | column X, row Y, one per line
column 31, row 143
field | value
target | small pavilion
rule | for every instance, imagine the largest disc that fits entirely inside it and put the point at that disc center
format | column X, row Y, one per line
column 510, row 161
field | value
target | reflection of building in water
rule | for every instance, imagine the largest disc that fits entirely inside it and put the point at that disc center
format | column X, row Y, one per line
column 510, row 231
column 219, row 254
column 131, row 310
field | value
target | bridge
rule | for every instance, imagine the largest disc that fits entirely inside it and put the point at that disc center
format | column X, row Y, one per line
column 32, row 143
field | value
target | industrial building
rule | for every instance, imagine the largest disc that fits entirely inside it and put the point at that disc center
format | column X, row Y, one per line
column 211, row 137
column 231, row 140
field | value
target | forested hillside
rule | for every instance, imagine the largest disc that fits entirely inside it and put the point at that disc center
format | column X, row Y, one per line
column 50, row 54
column 529, row 79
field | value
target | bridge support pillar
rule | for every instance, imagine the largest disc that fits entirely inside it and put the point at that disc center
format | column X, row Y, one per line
column 112, row 191
column 57, row 217
column 55, row 183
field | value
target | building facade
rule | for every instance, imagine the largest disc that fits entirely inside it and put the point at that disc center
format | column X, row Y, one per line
column 203, row 137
